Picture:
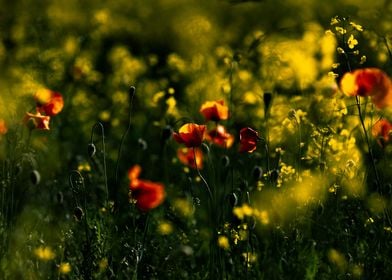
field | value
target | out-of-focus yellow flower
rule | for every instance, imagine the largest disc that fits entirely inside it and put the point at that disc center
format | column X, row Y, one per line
column 64, row 268
column 250, row 258
column 223, row 242
column 242, row 211
column 165, row 228
column 103, row 264
column 44, row 253
column 338, row 259
column 183, row 207
column 84, row 166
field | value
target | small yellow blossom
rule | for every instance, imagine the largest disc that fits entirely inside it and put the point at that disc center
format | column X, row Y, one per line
column 223, row 242
column 103, row 264
column 165, row 228
column 183, row 207
column 338, row 259
column 64, row 268
column 356, row 26
column 335, row 20
column 250, row 258
column 352, row 42
column 44, row 253
column 341, row 30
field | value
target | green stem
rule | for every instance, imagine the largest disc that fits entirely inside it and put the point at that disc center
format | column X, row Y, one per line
column 201, row 176
column 358, row 102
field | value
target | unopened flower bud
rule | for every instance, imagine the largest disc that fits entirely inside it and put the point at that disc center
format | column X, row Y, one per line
column 132, row 91
column 91, row 150
column 233, row 199
column 142, row 144
column 35, row 177
column 225, row 161
column 257, row 172
column 78, row 213
column 60, row 197
column 274, row 175
column 267, row 97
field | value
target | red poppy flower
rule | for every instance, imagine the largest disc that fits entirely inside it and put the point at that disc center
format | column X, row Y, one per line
column 190, row 134
column 187, row 157
column 220, row 137
column 248, row 139
column 49, row 102
column 381, row 130
column 37, row 120
column 214, row 110
column 3, row 127
column 148, row 195
column 368, row 82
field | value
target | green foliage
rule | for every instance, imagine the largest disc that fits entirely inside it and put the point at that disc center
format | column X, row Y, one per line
column 312, row 201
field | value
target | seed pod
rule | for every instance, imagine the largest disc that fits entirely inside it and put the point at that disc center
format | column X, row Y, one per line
column 267, row 97
column 91, row 150
column 257, row 172
column 78, row 213
column 225, row 161
column 35, row 177
column 274, row 175
column 142, row 144
column 60, row 197
column 233, row 199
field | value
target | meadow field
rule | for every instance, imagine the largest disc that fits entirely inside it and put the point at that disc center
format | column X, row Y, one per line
column 195, row 139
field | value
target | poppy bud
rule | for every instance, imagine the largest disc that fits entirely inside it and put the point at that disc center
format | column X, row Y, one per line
column 91, row 150
column 142, row 144
column 233, row 199
column 257, row 172
column 267, row 97
column 60, row 197
column 35, row 177
column 132, row 91
column 167, row 132
column 274, row 175
column 78, row 213
column 225, row 161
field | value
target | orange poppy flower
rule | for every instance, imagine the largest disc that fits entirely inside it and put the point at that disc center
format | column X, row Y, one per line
column 148, row 195
column 214, row 110
column 248, row 139
column 187, row 157
column 3, row 127
column 37, row 120
column 381, row 130
column 190, row 134
column 368, row 82
column 49, row 102
column 220, row 137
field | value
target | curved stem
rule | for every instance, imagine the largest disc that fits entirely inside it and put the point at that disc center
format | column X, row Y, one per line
column 358, row 102
column 132, row 91
column 201, row 176
column 104, row 155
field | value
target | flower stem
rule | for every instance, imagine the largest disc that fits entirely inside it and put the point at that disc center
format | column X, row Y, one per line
column 201, row 176
column 358, row 102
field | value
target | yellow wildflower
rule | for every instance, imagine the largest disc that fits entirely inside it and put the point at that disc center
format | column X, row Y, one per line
column 352, row 42
column 165, row 228
column 64, row 268
column 44, row 253
column 223, row 242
